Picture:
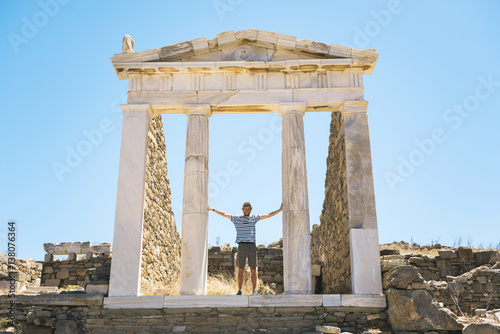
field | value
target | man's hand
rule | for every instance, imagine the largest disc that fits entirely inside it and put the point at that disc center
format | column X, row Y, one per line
column 223, row 214
column 272, row 213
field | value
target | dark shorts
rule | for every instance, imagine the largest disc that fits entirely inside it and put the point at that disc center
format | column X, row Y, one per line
column 246, row 249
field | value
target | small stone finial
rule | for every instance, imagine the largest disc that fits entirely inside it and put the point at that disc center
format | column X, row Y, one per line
column 127, row 44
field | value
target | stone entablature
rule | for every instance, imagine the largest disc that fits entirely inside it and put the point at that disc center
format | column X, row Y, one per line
column 245, row 72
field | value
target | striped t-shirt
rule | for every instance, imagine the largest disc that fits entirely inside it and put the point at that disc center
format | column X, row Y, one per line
column 245, row 227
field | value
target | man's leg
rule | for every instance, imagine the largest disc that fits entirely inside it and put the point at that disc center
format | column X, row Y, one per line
column 240, row 277
column 253, row 273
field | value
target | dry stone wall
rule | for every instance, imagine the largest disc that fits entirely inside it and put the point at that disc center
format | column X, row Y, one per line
column 26, row 273
column 330, row 240
column 456, row 277
column 82, row 272
column 161, row 241
column 221, row 261
column 80, row 313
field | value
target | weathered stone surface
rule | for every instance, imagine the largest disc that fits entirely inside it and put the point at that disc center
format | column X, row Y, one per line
column 389, row 252
column 53, row 282
column 63, row 273
column 330, row 246
column 59, row 299
column 67, row 327
column 482, row 329
column 486, row 257
column 160, row 265
column 415, row 311
column 400, row 277
column 97, row 289
column 328, row 329
column 444, row 267
column 447, row 254
column 387, row 265
column 465, row 252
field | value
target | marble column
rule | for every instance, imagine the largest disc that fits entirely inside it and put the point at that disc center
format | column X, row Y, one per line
column 296, row 234
column 363, row 231
column 194, row 247
column 125, row 274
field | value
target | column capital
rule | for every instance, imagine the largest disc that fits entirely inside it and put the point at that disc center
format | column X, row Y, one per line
column 354, row 106
column 199, row 109
column 296, row 107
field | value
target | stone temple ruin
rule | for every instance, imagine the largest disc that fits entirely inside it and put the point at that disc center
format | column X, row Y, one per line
column 249, row 71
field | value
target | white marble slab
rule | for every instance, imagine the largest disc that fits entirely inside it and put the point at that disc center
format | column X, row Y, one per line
column 285, row 300
column 191, row 301
column 377, row 301
column 365, row 262
column 134, row 302
column 331, row 300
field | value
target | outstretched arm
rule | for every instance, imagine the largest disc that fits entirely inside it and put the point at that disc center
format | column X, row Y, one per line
column 223, row 214
column 272, row 213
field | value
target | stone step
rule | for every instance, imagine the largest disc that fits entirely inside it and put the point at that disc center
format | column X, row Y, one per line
column 41, row 289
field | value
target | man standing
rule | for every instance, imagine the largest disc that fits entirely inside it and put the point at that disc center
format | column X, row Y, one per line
column 245, row 238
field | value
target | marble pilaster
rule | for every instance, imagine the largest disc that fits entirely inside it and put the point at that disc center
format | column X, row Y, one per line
column 194, row 247
column 129, row 218
column 296, row 235
column 364, row 252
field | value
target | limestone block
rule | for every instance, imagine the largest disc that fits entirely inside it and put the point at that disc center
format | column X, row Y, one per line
column 176, row 51
column 63, row 273
column 133, row 302
column 339, row 51
column 52, row 282
column 328, row 329
column 248, row 34
column 205, row 301
column 18, row 286
column 267, row 39
column 400, row 277
column 365, row 265
column 447, row 254
column 486, row 257
column 445, row 268
column 61, row 299
column 312, row 47
column 414, row 310
column 316, row 270
column 465, row 252
column 484, row 328
column 331, row 300
column 284, row 300
column 200, row 46
column 387, row 265
column 67, row 327
column 364, row 301
column 95, row 289
column 286, row 42
column 226, row 39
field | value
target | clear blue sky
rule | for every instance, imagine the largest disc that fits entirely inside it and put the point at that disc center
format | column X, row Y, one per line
column 433, row 112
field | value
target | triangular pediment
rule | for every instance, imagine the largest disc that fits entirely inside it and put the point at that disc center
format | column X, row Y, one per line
column 249, row 46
